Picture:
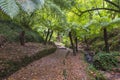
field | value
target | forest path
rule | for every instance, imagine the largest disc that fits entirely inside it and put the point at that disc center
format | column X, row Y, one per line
column 61, row 65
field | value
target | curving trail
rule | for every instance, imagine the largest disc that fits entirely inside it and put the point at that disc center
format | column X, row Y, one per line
column 56, row 66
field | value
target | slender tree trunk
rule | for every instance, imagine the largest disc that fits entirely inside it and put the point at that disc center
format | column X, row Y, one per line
column 106, row 40
column 48, row 33
column 76, row 43
column 44, row 33
column 71, row 40
column 58, row 37
column 86, row 42
column 50, row 36
column 22, row 38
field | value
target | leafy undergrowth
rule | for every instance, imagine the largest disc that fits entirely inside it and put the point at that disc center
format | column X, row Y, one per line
column 105, row 61
column 97, row 43
column 108, row 65
column 12, row 30
column 94, row 74
column 109, row 62
column 14, row 56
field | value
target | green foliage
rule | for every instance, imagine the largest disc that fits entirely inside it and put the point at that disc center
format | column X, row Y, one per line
column 105, row 61
column 9, row 7
column 30, row 5
column 32, row 36
column 63, row 4
column 97, row 42
column 12, row 7
column 11, row 31
column 95, row 74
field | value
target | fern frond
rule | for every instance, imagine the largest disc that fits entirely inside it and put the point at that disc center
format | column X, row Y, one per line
column 28, row 6
column 39, row 3
column 9, row 7
column 54, row 8
column 115, row 21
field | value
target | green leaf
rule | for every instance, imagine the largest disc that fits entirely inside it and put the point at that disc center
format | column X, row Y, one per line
column 9, row 7
column 28, row 6
column 39, row 3
column 115, row 21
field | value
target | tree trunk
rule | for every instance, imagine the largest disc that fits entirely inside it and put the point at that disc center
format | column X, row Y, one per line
column 106, row 40
column 58, row 37
column 76, row 43
column 86, row 42
column 50, row 36
column 48, row 33
column 72, row 44
column 22, row 38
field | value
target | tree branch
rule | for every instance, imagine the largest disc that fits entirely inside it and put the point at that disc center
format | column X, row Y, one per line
column 113, row 3
column 75, row 13
column 82, row 12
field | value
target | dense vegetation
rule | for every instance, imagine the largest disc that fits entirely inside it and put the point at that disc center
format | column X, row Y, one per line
column 94, row 23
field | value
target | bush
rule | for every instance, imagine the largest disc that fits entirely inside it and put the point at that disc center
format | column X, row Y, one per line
column 11, row 31
column 105, row 61
column 32, row 36
column 95, row 74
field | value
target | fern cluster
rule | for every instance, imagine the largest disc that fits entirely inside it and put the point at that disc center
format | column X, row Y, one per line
column 12, row 7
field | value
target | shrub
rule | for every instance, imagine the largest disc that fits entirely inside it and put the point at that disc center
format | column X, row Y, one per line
column 105, row 61
column 95, row 74
column 32, row 36
column 11, row 31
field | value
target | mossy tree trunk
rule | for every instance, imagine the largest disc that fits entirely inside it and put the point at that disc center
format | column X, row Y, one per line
column 72, row 44
column 76, row 44
column 50, row 36
column 86, row 42
column 106, row 40
column 22, row 38
column 46, row 39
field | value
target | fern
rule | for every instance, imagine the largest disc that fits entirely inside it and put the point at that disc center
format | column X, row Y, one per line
column 115, row 21
column 39, row 3
column 28, row 6
column 9, row 7
column 56, row 10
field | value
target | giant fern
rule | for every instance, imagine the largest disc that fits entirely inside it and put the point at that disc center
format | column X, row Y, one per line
column 11, row 8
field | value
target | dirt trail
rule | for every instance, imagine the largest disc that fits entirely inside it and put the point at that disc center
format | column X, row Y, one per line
column 54, row 67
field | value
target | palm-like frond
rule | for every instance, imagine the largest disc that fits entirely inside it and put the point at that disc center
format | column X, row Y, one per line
column 39, row 3
column 115, row 21
column 28, row 6
column 90, row 24
column 9, row 7
column 53, row 8
column 112, row 23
